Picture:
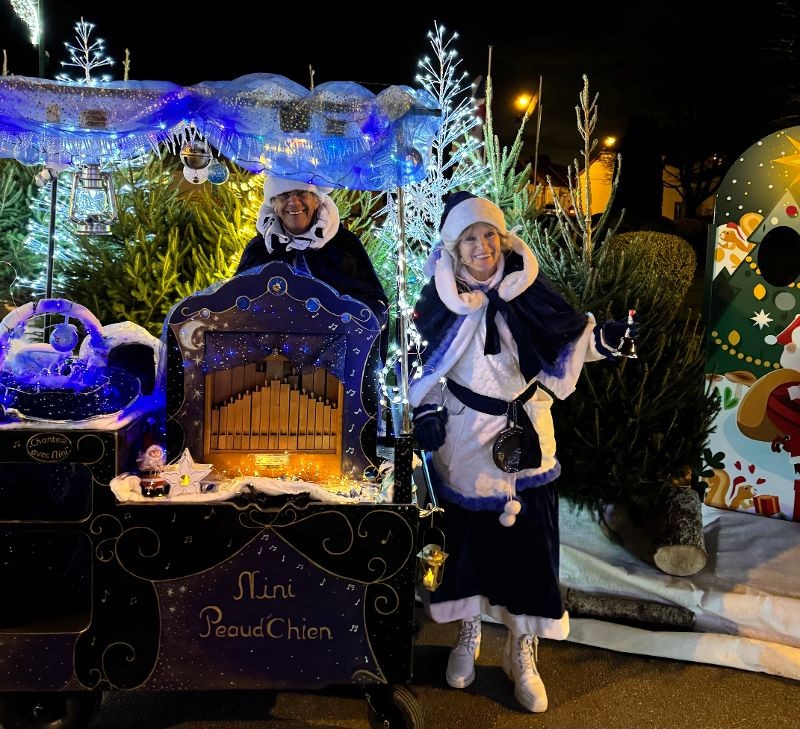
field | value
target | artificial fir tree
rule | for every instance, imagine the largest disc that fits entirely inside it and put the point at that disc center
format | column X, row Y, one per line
column 636, row 426
column 16, row 192
column 504, row 184
column 171, row 239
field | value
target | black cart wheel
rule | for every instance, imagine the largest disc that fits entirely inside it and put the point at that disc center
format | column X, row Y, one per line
column 393, row 707
column 49, row 710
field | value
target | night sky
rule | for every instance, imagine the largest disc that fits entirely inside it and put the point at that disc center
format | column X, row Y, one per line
column 637, row 60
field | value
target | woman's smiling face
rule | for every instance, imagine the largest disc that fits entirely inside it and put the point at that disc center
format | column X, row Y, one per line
column 479, row 250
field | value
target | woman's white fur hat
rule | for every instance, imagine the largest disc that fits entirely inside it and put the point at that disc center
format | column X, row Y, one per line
column 461, row 210
column 276, row 185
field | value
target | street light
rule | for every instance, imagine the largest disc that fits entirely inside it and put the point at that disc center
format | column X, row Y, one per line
column 525, row 103
column 31, row 13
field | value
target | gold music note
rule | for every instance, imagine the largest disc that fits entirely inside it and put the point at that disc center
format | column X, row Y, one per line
column 134, row 600
column 210, row 514
column 383, row 541
column 351, row 586
column 322, row 583
column 174, row 516
column 106, row 595
column 188, row 539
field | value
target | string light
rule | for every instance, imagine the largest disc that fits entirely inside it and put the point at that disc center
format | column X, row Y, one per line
column 87, row 55
column 29, row 13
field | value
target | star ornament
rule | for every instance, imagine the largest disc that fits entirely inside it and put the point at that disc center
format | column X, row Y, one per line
column 184, row 476
column 761, row 319
column 791, row 160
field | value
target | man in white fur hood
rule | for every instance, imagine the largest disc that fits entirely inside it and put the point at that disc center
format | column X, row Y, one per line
column 299, row 224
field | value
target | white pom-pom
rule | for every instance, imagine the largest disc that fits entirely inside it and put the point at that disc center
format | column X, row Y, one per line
column 507, row 520
column 512, row 507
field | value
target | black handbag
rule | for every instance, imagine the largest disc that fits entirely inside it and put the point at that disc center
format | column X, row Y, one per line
column 516, row 447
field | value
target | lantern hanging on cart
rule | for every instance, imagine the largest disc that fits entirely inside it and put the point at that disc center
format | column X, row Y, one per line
column 431, row 563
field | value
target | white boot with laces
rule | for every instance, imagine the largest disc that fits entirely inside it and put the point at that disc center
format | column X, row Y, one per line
column 461, row 663
column 519, row 663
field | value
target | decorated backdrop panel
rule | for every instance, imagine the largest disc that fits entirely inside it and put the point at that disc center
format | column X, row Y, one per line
column 753, row 333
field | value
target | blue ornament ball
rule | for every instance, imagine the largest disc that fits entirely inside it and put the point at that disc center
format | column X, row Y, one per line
column 64, row 337
column 346, row 317
column 312, row 304
column 218, row 172
column 243, row 303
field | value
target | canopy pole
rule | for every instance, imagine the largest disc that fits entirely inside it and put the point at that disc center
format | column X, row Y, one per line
column 403, row 452
column 51, row 235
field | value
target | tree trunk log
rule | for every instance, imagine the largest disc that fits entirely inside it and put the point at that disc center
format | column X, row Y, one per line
column 678, row 542
column 637, row 613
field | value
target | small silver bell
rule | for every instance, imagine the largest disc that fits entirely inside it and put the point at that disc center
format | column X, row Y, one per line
column 627, row 344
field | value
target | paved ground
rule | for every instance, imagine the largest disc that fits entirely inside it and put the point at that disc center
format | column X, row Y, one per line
column 589, row 688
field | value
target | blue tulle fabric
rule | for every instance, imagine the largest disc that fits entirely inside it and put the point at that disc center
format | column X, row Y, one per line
column 339, row 134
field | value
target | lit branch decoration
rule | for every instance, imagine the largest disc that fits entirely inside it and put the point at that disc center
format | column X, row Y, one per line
column 29, row 13
column 88, row 55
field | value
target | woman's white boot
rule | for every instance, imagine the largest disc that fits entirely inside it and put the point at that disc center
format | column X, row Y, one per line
column 519, row 663
column 461, row 663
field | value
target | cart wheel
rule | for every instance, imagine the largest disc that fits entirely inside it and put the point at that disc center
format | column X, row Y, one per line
column 394, row 708
column 49, row 710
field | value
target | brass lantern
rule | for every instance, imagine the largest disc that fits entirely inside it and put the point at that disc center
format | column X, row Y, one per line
column 431, row 563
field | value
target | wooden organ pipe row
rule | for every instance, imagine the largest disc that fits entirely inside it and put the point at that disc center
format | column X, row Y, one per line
column 271, row 407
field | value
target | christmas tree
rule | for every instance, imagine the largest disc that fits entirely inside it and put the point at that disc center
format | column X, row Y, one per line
column 16, row 191
column 636, row 426
column 171, row 239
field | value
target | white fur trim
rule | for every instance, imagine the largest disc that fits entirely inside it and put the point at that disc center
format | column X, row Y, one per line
column 327, row 218
column 467, row 212
column 462, row 304
column 420, row 387
column 517, row 281
column 276, row 185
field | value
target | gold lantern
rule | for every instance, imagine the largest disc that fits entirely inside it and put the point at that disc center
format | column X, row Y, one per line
column 431, row 563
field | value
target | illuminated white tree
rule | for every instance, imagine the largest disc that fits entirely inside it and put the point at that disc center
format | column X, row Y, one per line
column 451, row 167
column 88, row 54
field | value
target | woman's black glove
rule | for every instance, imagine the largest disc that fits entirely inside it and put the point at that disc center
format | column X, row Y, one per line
column 429, row 427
